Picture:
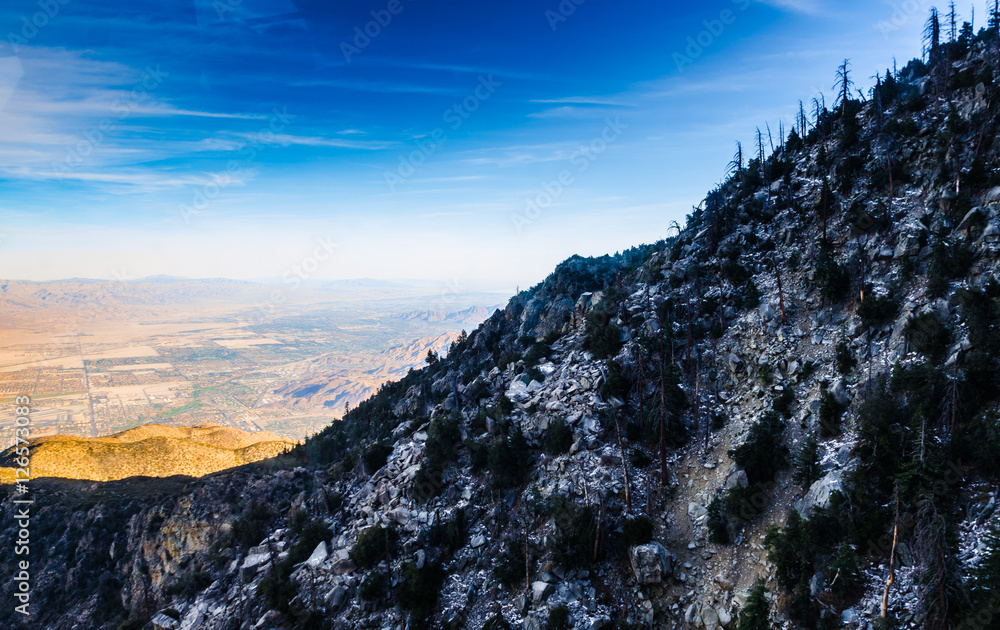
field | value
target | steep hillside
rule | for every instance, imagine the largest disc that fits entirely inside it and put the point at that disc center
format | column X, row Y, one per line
column 788, row 413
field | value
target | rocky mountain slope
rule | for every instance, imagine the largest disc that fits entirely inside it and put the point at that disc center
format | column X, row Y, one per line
column 785, row 415
column 152, row 450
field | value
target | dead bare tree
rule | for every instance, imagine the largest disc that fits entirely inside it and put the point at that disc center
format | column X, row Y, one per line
column 892, row 560
column 621, row 447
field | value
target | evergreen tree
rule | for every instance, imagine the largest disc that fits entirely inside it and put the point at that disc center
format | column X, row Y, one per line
column 932, row 36
column 757, row 614
column 952, row 23
column 844, row 570
column 807, row 468
column 986, row 576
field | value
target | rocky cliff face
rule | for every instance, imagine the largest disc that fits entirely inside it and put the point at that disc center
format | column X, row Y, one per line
column 798, row 391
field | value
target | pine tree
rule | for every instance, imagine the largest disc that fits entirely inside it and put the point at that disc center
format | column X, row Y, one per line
column 932, row 36
column 986, row 576
column 825, row 201
column 952, row 23
column 844, row 83
column 845, row 570
column 807, row 468
column 760, row 152
column 757, row 614
column 736, row 164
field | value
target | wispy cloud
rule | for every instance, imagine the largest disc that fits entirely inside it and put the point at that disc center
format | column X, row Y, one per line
column 456, row 68
column 796, row 6
column 581, row 100
column 384, row 87
column 570, row 111
column 283, row 139
column 127, row 180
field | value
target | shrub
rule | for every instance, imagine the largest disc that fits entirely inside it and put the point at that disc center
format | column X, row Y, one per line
column 929, row 335
column 830, row 412
column 558, row 437
column 419, row 588
column 559, row 617
column 509, row 567
column 252, row 526
column 508, row 461
column 312, row 535
column 496, row 622
column 718, row 525
column 374, row 544
column 734, row 272
column 375, row 457
column 535, row 374
column 831, row 277
column 449, row 535
column 478, row 422
column 601, row 334
column 782, row 404
column 763, row 453
column 978, row 440
column 639, row 459
column 748, row 296
column 575, row 535
column 807, row 468
column 636, row 530
column 845, row 358
column 189, row 584
column 788, row 551
column 951, row 259
column 617, row 383
column 845, row 567
column 505, row 406
column 757, row 613
column 373, row 588
column 536, row 352
column 442, row 438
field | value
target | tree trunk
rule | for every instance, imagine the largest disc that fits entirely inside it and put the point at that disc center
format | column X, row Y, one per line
column 621, row 447
column 892, row 560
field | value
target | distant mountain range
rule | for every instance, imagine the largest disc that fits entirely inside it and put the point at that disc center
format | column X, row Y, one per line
column 473, row 315
column 111, row 295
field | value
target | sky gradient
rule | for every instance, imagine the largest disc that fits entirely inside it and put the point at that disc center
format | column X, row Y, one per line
column 461, row 142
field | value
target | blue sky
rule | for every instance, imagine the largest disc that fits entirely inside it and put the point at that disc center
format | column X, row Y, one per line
column 470, row 142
